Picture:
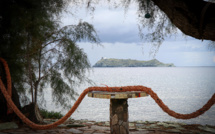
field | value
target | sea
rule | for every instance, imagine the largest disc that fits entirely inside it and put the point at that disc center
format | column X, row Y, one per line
column 182, row 89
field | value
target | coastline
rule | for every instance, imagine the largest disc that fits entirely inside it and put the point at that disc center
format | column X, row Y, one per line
column 92, row 127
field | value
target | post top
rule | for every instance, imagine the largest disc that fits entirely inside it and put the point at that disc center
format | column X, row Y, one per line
column 117, row 95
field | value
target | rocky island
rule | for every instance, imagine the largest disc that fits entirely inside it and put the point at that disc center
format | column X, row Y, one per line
column 130, row 63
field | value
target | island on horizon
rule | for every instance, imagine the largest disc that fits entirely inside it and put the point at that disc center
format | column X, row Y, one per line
column 103, row 62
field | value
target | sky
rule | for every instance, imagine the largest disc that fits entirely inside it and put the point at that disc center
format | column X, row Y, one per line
column 119, row 35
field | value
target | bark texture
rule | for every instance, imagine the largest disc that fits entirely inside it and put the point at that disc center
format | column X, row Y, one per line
column 195, row 18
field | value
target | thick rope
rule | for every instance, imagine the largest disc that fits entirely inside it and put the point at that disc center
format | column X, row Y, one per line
column 109, row 89
column 9, row 84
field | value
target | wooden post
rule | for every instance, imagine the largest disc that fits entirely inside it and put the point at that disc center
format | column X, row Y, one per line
column 119, row 116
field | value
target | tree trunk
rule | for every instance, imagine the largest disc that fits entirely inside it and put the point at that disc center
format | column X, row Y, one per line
column 195, row 18
column 32, row 112
column 3, row 104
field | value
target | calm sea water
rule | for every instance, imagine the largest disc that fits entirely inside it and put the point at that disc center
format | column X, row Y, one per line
column 183, row 89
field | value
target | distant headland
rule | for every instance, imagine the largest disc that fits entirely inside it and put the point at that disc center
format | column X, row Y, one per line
column 103, row 62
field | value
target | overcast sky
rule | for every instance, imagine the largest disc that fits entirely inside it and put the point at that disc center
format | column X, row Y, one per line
column 118, row 32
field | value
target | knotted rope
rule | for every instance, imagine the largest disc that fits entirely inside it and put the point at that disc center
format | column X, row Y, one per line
column 90, row 89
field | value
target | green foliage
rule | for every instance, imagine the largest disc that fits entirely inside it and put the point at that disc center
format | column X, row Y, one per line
column 21, row 23
column 130, row 63
column 50, row 114
column 62, row 63
column 40, row 53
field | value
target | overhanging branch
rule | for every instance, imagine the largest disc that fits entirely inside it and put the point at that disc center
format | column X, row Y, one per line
column 194, row 18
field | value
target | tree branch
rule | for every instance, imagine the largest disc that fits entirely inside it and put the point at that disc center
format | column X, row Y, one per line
column 188, row 18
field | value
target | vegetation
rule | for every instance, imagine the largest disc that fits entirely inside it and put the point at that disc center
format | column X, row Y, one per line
column 40, row 52
column 50, row 114
column 60, row 63
column 130, row 63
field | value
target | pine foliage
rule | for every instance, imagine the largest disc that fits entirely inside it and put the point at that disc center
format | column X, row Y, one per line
column 40, row 53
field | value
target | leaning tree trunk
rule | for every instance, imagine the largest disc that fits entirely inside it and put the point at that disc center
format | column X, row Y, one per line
column 195, row 18
column 3, row 104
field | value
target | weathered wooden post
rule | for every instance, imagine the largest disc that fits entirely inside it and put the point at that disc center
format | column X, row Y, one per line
column 119, row 116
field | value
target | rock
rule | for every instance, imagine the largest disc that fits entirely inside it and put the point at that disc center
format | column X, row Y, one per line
column 153, row 126
column 88, row 132
column 114, row 119
column 69, row 121
column 140, row 126
column 53, row 120
column 89, row 122
column 175, row 125
column 196, row 132
column 142, row 129
column 45, row 132
column 163, row 124
column 150, row 122
column 100, row 128
column 131, row 124
column 75, row 125
column 139, row 121
column 107, row 123
column 75, row 131
column 84, row 128
column 99, row 123
column 182, row 124
column 208, row 129
column 77, row 122
column 167, row 125
column 173, row 131
column 47, row 121
column 120, row 122
column 119, row 109
column 61, row 125
column 123, row 130
column 83, row 121
column 8, row 125
column 169, row 122
column 140, row 132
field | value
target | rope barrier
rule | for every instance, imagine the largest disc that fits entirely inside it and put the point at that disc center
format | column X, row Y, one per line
column 9, row 83
column 149, row 91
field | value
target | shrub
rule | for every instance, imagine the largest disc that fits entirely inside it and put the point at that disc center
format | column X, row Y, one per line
column 50, row 114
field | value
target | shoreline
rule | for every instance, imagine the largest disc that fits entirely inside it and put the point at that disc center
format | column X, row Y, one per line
column 103, row 127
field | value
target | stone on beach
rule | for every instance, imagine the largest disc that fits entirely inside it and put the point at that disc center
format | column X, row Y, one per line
column 8, row 125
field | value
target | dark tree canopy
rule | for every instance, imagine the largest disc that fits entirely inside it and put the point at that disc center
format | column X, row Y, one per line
column 40, row 52
column 194, row 18
column 23, row 21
